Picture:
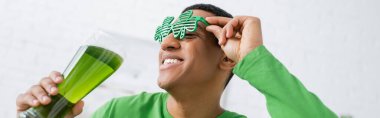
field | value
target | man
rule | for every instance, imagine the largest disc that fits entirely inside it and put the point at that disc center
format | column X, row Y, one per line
column 195, row 71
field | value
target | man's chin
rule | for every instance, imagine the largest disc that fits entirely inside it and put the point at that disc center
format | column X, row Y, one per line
column 169, row 81
column 164, row 84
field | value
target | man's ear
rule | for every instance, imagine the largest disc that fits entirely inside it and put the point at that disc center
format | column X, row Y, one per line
column 227, row 63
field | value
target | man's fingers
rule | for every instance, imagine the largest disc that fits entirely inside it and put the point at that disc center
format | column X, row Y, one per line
column 217, row 31
column 78, row 108
column 223, row 38
column 231, row 27
column 48, row 84
column 56, row 76
column 218, row 20
column 25, row 101
column 39, row 93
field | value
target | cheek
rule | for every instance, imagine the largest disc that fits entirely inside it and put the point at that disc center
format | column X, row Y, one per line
column 159, row 56
column 203, row 55
column 205, row 58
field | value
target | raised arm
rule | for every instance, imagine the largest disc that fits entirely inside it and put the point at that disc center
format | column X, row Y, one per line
column 285, row 95
column 241, row 40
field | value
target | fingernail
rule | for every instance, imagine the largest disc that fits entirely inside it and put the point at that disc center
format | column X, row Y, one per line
column 34, row 102
column 53, row 89
column 49, row 88
column 57, row 78
column 44, row 98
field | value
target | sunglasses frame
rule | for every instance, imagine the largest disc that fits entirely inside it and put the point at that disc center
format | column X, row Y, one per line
column 185, row 23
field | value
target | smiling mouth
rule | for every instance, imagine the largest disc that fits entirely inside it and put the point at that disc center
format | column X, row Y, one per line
column 171, row 61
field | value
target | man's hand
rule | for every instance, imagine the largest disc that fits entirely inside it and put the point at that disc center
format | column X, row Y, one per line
column 39, row 95
column 237, row 36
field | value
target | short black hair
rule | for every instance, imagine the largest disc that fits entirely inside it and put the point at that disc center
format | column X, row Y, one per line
column 217, row 12
column 209, row 8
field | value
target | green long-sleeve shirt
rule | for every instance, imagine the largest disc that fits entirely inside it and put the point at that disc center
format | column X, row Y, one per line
column 285, row 95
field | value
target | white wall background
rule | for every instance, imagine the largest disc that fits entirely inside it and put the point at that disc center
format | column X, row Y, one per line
column 332, row 46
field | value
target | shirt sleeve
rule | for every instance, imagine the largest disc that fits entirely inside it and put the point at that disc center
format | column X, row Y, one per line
column 104, row 111
column 285, row 95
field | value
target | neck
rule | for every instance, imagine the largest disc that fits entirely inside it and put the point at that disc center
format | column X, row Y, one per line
column 195, row 103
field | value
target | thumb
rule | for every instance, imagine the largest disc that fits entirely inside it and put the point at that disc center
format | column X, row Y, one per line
column 76, row 110
column 217, row 31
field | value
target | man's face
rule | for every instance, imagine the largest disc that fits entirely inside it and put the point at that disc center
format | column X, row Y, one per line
column 192, row 62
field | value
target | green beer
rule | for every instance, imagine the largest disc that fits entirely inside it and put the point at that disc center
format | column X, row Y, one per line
column 90, row 66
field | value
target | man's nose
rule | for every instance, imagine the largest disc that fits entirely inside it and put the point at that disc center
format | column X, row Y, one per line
column 170, row 43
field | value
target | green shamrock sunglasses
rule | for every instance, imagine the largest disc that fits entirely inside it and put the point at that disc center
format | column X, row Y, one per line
column 185, row 23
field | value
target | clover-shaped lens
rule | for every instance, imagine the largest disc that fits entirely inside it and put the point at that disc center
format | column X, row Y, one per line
column 186, row 23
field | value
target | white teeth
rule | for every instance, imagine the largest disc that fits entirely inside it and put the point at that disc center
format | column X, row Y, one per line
column 171, row 61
